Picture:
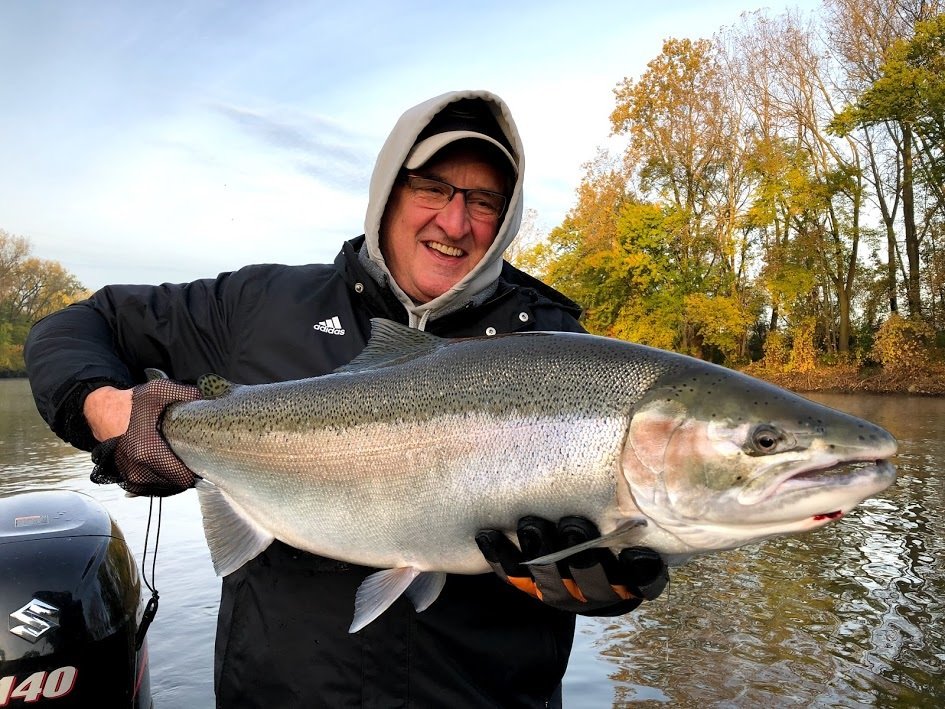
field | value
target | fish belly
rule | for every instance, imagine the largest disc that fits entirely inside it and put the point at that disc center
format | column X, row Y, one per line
column 414, row 494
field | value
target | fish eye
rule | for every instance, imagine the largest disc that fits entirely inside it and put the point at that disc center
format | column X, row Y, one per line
column 765, row 439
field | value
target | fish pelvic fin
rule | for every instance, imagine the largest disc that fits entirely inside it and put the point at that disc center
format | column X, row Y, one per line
column 213, row 386
column 621, row 536
column 379, row 590
column 390, row 344
column 233, row 538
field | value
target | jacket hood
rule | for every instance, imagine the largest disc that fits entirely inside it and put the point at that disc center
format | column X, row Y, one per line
column 389, row 161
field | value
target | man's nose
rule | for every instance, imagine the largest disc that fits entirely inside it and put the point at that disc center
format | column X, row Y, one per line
column 453, row 219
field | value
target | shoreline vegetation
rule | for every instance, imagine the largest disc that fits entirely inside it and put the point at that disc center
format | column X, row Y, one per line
column 927, row 380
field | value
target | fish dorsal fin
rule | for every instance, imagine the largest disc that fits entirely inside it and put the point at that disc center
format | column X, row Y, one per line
column 213, row 386
column 392, row 343
column 153, row 373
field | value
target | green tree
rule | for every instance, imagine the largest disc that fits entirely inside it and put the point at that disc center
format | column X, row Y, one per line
column 905, row 95
column 686, row 153
column 30, row 288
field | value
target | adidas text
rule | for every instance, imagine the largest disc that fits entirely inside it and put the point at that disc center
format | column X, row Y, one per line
column 332, row 326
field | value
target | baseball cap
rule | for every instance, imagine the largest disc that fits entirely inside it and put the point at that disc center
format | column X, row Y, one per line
column 463, row 119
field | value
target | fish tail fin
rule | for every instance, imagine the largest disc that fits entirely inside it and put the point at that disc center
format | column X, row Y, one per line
column 232, row 536
column 379, row 590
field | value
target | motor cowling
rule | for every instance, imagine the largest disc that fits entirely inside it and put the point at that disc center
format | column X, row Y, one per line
column 70, row 589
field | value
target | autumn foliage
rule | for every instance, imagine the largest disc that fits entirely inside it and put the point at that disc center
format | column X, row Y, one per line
column 30, row 288
column 778, row 196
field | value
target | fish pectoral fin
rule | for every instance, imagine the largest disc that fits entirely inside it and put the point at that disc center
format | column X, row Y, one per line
column 233, row 537
column 619, row 537
column 379, row 590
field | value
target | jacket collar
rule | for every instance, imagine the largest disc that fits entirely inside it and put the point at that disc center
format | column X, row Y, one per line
column 513, row 290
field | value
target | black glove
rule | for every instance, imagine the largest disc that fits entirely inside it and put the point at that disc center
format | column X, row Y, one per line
column 590, row 582
column 140, row 460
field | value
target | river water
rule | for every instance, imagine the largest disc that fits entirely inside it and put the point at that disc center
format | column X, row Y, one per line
column 851, row 615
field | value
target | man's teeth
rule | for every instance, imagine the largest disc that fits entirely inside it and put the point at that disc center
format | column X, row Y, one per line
column 444, row 249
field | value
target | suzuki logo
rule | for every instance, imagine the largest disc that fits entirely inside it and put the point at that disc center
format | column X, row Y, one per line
column 34, row 620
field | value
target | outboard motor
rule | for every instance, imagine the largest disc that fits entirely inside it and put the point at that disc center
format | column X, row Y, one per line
column 71, row 595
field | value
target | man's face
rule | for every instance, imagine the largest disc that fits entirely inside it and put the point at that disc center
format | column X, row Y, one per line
column 430, row 250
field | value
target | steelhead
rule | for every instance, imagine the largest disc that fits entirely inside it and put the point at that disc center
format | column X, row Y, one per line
column 396, row 460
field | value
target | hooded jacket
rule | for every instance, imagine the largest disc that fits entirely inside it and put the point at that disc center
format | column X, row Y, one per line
column 282, row 635
column 391, row 157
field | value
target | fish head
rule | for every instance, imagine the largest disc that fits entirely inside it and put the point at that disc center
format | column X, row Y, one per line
column 718, row 459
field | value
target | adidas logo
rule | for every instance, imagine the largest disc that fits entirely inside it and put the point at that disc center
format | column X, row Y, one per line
column 332, row 326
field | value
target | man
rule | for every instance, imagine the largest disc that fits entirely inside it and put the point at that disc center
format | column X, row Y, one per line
column 445, row 202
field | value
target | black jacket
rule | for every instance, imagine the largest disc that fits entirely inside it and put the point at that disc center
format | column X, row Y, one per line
column 282, row 637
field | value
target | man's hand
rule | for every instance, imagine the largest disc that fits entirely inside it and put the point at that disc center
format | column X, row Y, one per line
column 133, row 453
column 107, row 411
column 591, row 582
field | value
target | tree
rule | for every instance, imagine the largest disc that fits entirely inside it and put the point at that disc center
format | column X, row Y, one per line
column 30, row 288
column 895, row 64
column 743, row 186
column 684, row 122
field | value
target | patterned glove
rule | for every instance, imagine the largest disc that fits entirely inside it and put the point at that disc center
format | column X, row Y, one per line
column 140, row 460
column 590, row 582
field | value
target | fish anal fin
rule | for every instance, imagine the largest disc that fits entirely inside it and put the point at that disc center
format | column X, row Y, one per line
column 379, row 591
column 425, row 589
column 232, row 536
column 619, row 537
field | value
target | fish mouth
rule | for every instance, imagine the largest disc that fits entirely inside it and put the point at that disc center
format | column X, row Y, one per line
column 836, row 486
column 839, row 473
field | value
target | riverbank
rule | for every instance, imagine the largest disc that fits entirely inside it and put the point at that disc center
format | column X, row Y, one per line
column 927, row 380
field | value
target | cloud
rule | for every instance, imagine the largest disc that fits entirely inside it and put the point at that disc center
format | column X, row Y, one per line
column 322, row 148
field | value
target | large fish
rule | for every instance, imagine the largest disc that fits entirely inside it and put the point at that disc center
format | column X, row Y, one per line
column 396, row 460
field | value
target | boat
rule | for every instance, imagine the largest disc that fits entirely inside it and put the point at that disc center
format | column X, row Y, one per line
column 72, row 593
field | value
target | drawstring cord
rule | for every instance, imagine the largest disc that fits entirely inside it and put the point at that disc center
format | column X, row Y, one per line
column 150, row 610
column 422, row 325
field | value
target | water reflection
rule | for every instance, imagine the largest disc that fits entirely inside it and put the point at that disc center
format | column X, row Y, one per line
column 851, row 615
column 29, row 454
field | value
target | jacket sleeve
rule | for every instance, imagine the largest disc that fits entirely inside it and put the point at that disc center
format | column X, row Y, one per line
column 118, row 332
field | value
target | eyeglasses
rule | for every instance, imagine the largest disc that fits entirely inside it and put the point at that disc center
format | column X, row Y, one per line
column 434, row 194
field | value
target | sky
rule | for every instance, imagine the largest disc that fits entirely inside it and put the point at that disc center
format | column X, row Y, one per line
column 173, row 140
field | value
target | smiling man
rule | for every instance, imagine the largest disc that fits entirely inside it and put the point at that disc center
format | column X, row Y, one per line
column 431, row 240
column 445, row 202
